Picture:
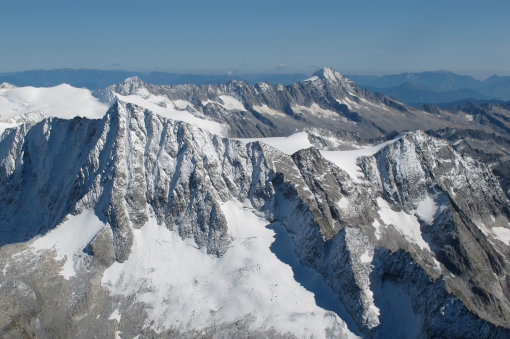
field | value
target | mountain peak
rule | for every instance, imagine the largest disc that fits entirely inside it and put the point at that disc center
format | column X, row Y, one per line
column 133, row 81
column 130, row 85
column 329, row 75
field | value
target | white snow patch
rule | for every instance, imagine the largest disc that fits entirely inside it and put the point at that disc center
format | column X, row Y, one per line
column 188, row 289
column 69, row 239
column 483, row 227
column 264, row 109
column 427, row 209
column 169, row 109
column 315, row 109
column 347, row 160
column 501, row 233
column 4, row 271
column 288, row 145
column 62, row 101
column 115, row 315
column 312, row 78
column 406, row 224
column 6, row 125
column 343, row 203
column 377, row 226
column 11, row 122
column 351, row 104
column 182, row 104
column 230, row 103
column 143, row 92
column 437, row 266
column 366, row 258
column 206, row 102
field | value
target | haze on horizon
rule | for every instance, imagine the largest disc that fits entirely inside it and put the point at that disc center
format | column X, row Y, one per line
column 363, row 37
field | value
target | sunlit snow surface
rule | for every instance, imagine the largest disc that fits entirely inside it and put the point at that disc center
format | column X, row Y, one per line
column 69, row 239
column 185, row 288
column 175, row 110
column 227, row 102
column 347, row 160
column 288, row 145
column 502, row 234
column 62, row 101
column 406, row 224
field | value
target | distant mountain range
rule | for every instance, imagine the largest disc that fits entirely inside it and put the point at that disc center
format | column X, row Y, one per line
column 437, row 87
column 94, row 79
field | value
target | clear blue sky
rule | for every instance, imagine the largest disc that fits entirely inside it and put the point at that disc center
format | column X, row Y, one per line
column 370, row 37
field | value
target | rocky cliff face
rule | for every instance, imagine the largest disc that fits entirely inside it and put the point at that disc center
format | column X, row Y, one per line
column 409, row 236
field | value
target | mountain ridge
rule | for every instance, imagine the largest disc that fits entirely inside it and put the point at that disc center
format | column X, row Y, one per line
column 167, row 192
column 136, row 158
column 439, row 86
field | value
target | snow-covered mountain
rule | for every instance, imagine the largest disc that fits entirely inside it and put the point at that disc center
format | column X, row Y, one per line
column 158, row 219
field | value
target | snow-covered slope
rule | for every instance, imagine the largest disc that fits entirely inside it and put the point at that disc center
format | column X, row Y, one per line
column 175, row 110
column 62, row 101
column 69, row 239
column 248, row 281
column 288, row 145
column 66, row 102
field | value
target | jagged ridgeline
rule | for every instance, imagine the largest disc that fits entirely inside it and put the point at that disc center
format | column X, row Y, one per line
column 154, row 221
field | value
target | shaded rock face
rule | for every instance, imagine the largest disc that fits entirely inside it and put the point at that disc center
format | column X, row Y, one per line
column 133, row 164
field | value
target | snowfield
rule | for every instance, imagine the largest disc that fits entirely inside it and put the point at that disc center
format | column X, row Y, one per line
column 288, row 145
column 175, row 110
column 62, row 101
column 249, row 281
column 347, row 160
column 69, row 239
